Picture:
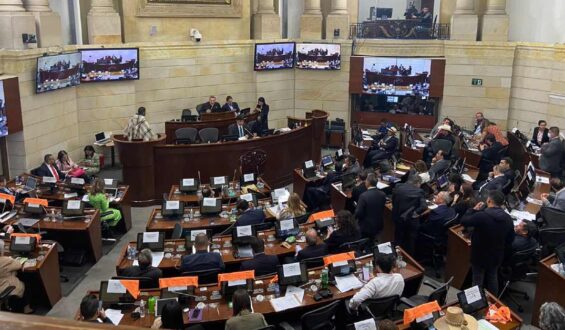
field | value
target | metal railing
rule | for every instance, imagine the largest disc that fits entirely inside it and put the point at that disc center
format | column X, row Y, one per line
column 399, row 29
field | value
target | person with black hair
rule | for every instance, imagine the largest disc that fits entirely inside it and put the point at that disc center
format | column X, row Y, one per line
column 91, row 161
column 248, row 214
column 263, row 108
column 243, row 317
column 262, row 263
column 493, row 235
column 356, row 192
column 552, row 154
column 370, row 209
column 439, row 165
column 489, row 156
column 90, row 311
column 540, row 135
column 138, row 128
column 347, row 231
column 524, row 238
column 464, row 200
column 171, row 317
column 230, row 105
column 385, row 284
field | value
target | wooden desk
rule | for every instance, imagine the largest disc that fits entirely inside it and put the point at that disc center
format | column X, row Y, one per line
column 71, row 233
column 300, row 182
column 472, row 158
column 412, row 273
column 458, row 259
column 41, row 280
column 192, row 199
column 412, row 155
column 550, row 286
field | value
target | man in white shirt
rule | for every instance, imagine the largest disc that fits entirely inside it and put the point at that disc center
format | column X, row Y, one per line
column 385, row 284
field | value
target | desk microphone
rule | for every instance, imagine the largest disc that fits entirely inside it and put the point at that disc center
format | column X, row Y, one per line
column 199, row 179
column 248, row 131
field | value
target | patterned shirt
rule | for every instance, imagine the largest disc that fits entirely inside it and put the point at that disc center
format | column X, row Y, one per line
column 138, row 129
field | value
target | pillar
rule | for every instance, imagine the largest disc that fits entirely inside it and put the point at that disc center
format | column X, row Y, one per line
column 311, row 20
column 47, row 23
column 337, row 19
column 15, row 21
column 495, row 21
column 464, row 22
column 104, row 25
column 266, row 22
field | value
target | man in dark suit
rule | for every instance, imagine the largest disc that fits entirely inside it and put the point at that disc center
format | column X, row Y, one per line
column 433, row 226
column 524, row 239
column 439, row 165
column 356, row 192
column 489, row 157
column 201, row 259
column 238, row 129
column 262, row 263
column 370, row 208
column 210, row 106
column 552, row 154
column 49, row 169
column 505, row 167
column 230, row 105
column 312, row 249
column 497, row 182
column 408, row 202
column 540, row 135
column 492, row 237
column 145, row 269
column 384, row 149
column 248, row 214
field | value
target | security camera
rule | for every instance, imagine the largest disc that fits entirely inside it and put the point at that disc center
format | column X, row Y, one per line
column 195, row 34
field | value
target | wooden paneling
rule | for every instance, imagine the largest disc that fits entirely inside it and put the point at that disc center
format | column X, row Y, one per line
column 437, row 78
column 356, row 75
column 13, row 105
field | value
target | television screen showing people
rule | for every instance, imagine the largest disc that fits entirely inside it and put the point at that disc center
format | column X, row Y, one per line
column 397, row 76
column 3, row 117
column 110, row 64
column 57, row 71
column 274, row 56
column 318, row 56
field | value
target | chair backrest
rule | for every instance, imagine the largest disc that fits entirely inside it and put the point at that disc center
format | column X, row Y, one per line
column 550, row 238
column 209, row 134
column 177, row 231
column 357, row 246
column 440, row 294
column 313, row 262
column 552, row 217
column 185, row 135
column 321, row 318
column 507, row 187
column 502, row 152
column 303, row 218
column 186, row 113
column 381, row 308
column 35, row 171
column 443, row 145
column 264, row 226
column 207, row 276
column 253, row 162
column 200, row 107
column 451, row 222
column 144, row 282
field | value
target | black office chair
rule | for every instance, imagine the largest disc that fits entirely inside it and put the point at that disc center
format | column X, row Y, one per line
column 381, row 308
column 303, row 218
column 552, row 217
column 313, row 262
column 507, row 188
column 357, row 246
column 439, row 294
column 207, row 276
column 186, row 113
column 320, row 319
column 177, row 231
column 550, row 238
column 517, row 269
column 209, row 134
column 438, row 245
column 5, row 298
column 502, row 152
column 144, row 282
column 185, row 135
column 443, row 145
column 264, row 226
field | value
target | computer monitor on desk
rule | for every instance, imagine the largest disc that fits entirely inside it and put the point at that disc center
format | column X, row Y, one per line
column 22, row 245
column 229, row 287
column 286, row 228
column 252, row 198
column 189, row 185
column 245, row 111
column 72, row 208
column 248, row 179
column 243, row 235
column 172, row 209
column 218, row 181
column 309, row 169
column 155, row 241
column 185, row 295
column 292, row 274
column 110, row 183
column 34, row 209
column 114, row 294
column 211, row 206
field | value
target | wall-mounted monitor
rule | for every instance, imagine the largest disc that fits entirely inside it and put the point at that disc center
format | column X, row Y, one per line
column 109, row 64
column 274, row 56
column 318, row 56
column 397, row 76
column 57, row 71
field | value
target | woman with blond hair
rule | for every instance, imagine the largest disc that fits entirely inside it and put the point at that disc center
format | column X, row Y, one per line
column 294, row 208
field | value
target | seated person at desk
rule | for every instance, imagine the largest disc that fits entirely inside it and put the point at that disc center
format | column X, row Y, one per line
column 145, row 269
column 262, row 263
column 91, row 161
column 210, row 106
column 207, row 192
column 357, row 190
column 489, row 156
column 347, row 230
column 552, row 154
column 433, row 225
column 99, row 200
column 171, row 317
column 444, row 133
column 383, row 149
column 540, row 135
column 382, row 130
column 90, row 310
column 493, row 129
column 350, row 165
column 238, row 129
column 480, row 123
column 445, row 121
column 558, row 200
column 496, row 182
column 49, row 169
column 201, row 259
column 4, row 189
column 9, row 268
column 464, row 201
column 230, row 105
column 248, row 214
column 138, row 128
column 384, row 284
column 294, row 208
column 66, row 165
column 505, row 166
column 312, row 249
column 439, row 165
column 243, row 317
column 524, row 238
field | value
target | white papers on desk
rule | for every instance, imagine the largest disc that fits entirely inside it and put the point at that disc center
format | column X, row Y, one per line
column 473, row 149
column 365, row 132
column 85, row 198
column 385, row 248
column 348, row 282
column 115, row 286
column 432, row 206
column 468, row 178
column 523, row 215
column 28, row 222
column 151, row 237
column 297, row 292
column 534, row 201
column 70, row 195
column 473, row 294
column 558, row 268
column 114, row 315
column 542, row 179
column 284, row 303
column 157, row 258
column 486, row 325
column 400, row 172
column 420, row 145
column 381, row 185
column 367, row 138
column 368, row 324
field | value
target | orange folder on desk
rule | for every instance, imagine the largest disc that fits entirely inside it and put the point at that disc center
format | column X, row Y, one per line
column 132, row 286
column 236, row 276
column 38, row 201
column 422, row 310
column 178, row 281
column 321, row 215
column 37, row 236
column 339, row 257
column 7, row 197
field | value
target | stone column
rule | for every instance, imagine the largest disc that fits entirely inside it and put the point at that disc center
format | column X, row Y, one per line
column 266, row 22
column 311, row 20
column 495, row 21
column 15, row 21
column 464, row 22
column 47, row 22
column 104, row 24
column 338, row 20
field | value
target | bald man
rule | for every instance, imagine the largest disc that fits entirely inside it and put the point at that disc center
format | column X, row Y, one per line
column 312, row 249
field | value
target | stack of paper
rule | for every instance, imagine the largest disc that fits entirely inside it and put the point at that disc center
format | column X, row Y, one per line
column 346, row 283
column 523, row 215
column 381, row 185
column 157, row 258
column 284, row 303
column 467, row 178
column 114, row 315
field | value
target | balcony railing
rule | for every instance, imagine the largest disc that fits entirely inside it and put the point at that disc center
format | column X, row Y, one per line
column 398, row 29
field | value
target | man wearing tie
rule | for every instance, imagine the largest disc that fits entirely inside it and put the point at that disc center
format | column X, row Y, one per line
column 238, row 129
column 49, row 169
column 230, row 105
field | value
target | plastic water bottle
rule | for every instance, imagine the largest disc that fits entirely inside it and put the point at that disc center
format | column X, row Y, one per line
column 142, row 308
column 399, row 261
column 325, row 278
column 277, row 290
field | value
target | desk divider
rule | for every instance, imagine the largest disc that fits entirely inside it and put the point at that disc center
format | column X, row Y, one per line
column 339, row 257
column 235, row 276
column 178, row 281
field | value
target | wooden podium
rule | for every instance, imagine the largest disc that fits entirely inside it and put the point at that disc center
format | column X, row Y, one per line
column 138, row 165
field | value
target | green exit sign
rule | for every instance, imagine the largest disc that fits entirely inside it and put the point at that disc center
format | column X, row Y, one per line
column 477, row 82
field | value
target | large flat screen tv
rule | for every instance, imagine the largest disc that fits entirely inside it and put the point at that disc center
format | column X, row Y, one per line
column 57, row 71
column 318, row 56
column 109, row 64
column 3, row 115
column 274, row 56
column 397, row 76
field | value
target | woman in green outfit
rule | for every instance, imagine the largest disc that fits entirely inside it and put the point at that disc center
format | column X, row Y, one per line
column 99, row 200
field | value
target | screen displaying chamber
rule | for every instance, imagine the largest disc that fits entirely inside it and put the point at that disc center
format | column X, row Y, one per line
column 318, row 56
column 397, row 76
column 57, row 71
column 109, row 64
column 274, row 56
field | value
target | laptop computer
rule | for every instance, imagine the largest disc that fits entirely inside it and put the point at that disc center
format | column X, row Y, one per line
column 102, row 137
column 30, row 185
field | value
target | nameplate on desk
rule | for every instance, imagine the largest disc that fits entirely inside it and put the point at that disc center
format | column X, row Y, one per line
column 248, row 177
column 188, row 182
column 293, row 269
column 73, row 205
column 473, row 294
column 309, row 164
column 237, row 282
column 368, row 324
column 209, row 202
column 340, row 263
column 219, row 180
column 542, row 179
column 22, row 240
column 172, row 205
column 385, row 248
column 115, row 286
column 49, row 179
column 287, row 224
column 108, row 182
column 77, row 181
column 246, row 197
column 243, row 231
column 71, row 195
column 151, row 237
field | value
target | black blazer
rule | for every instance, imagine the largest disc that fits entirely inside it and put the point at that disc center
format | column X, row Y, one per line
column 437, row 218
column 43, row 170
column 338, row 237
column 201, row 260
column 406, row 196
column 233, row 130
column 226, row 107
column 313, row 251
column 369, row 212
column 495, row 184
column 262, row 263
column 264, row 117
column 492, row 237
column 544, row 138
column 151, row 272
column 214, row 108
column 251, row 217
